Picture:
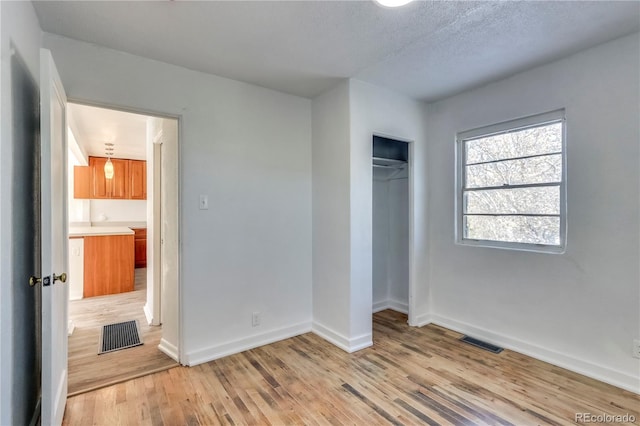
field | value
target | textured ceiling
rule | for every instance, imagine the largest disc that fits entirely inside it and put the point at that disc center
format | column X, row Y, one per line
column 427, row 50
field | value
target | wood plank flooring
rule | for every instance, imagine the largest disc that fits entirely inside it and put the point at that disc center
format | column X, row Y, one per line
column 410, row 376
column 87, row 369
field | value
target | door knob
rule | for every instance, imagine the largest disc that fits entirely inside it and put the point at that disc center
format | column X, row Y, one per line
column 33, row 280
column 62, row 277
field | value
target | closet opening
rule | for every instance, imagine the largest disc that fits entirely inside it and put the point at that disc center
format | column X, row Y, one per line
column 390, row 225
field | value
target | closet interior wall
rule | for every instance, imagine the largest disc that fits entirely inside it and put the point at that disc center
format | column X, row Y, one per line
column 390, row 234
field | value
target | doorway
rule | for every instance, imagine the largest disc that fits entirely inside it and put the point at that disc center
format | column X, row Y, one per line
column 147, row 145
column 390, row 223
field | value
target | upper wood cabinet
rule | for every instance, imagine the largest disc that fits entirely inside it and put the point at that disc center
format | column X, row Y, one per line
column 82, row 182
column 137, row 180
column 129, row 180
column 114, row 188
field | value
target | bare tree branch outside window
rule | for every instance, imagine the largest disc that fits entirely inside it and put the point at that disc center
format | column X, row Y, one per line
column 511, row 185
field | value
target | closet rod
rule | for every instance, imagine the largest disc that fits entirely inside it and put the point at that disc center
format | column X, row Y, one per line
column 394, row 166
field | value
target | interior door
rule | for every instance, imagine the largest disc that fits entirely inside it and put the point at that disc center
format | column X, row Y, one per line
column 26, row 348
column 54, row 236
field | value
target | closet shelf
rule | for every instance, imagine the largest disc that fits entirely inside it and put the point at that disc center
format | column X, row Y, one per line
column 388, row 163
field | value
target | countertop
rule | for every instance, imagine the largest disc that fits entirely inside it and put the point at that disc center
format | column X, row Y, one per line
column 97, row 231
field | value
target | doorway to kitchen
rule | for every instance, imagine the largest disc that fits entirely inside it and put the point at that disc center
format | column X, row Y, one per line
column 123, row 246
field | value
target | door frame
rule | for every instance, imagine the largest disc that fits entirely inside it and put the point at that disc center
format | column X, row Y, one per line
column 177, row 351
column 412, row 316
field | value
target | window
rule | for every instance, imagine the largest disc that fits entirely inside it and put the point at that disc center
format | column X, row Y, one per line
column 511, row 184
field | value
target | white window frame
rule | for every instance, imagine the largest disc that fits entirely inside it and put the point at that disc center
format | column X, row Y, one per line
column 557, row 116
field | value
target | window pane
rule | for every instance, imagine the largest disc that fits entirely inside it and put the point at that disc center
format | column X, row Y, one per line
column 516, row 229
column 537, row 200
column 531, row 141
column 515, row 172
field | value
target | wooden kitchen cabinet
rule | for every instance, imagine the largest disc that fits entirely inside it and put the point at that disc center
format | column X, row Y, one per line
column 108, row 264
column 129, row 180
column 137, row 180
column 140, row 244
column 115, row 188
column 82, row 182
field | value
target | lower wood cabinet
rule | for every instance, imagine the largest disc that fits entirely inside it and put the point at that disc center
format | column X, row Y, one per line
column 108, row 264
column 140, row 243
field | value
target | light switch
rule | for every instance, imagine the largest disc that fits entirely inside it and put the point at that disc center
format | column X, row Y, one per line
column 204, row 202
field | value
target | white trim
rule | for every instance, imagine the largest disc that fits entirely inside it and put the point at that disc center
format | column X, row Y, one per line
column 360, row 342
column 394, row 305
column 330, row 336
column 413, row 262
column 147, row 313
column 380, row 306
column 421, row 320
column 398, row 306
column 348, row 345
column 509, row 126
column 571, row 363
column 169, row 349
column 236, row 346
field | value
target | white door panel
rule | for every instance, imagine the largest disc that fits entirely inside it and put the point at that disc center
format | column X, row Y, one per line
column 54, row 241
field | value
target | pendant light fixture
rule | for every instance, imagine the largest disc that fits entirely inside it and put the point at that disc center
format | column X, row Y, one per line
column 108, row 166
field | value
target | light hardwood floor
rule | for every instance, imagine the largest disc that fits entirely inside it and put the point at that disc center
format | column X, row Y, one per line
column 87, row 369
column 410, row 376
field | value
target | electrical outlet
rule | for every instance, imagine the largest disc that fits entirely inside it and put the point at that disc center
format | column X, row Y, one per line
column 636, row 348
column 255, row 319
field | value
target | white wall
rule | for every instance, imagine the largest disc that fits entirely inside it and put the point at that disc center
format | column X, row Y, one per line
column 399, row 244
column 249, row 150
column 375, row 110
column 380, row 241
column 79, row 210
column 331, row 256
column 390, row 242
column 19, row 29
column 580, row 309
column 118, row 210
column 76, row 268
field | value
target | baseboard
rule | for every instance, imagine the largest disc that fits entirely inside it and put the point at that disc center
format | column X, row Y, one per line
column 147, row 313
column 391, row 304
column 380, row 306
column 399, row 306
column 241, row 345
column 348, row 345
column 586, row 368
column 420, row 320
column 169, row 349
